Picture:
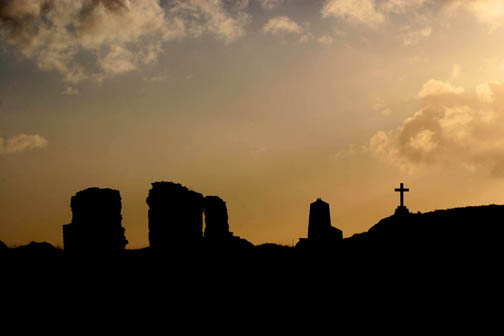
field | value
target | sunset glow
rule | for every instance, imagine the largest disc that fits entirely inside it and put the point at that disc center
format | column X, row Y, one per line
column 268, row 104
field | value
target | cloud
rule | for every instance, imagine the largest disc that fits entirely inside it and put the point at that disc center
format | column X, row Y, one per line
column 373, row 13
column 117, row 60
column 453, row 127
column 485, row 92
column 401, row 6
column 21, row 142
column 281, row 25
column 369, row 12
column 436, row 87
column 198, row 16
column 355, row 11
column 325, row 40
column 488, row 12
column 63, row 35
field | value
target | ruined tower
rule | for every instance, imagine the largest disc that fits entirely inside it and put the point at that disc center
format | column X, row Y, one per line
column 175, row 216
column 216, row 219
column 96, row 223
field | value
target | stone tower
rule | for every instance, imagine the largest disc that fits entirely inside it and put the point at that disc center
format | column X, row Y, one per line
column 175, row 216
column 96, row 223
column 319, row 224
column 216, row 219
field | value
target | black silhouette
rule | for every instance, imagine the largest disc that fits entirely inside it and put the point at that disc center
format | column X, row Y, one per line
column 460, row 238
column 96, row 223
column 175, row 217
column 401, row 209
column 320, row 232
column 37, row 250
column 443, row 242
column 216, row 219
column 176, row 222
column 4, row 250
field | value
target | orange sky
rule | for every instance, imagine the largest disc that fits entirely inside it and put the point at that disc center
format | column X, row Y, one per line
column 267, row 103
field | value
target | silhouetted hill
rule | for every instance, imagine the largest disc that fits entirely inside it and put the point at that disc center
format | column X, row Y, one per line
column 459, row 236
column 462, row 237
column 37, row 250
column 411, row 257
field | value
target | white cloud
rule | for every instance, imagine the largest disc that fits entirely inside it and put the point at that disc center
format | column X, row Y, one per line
column 423, row 141
column 355, row 11
column 21, row 143
column 488, row 12
column 194, row 17
column 373, row 13
column 436, row 87
column 485, row 92
column 370, row 12
column 281, row 25
column 452, row 127
column 119, row 35
column 117, row 60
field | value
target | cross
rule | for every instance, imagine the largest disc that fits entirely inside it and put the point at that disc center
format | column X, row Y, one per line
column 402, row 190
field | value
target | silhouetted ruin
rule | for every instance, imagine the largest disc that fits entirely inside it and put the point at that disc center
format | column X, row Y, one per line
column 320, row 231
column 175, row 216
column 216, row 219
column 96, row 223
column 176, row 220
column 464, row 238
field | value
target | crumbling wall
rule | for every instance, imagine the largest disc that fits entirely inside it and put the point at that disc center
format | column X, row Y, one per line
column 175, row 216
column 216, row 219
column 96, row 223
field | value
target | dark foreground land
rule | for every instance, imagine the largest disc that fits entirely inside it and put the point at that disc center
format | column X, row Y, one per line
column 462, row 240
column 417, row 270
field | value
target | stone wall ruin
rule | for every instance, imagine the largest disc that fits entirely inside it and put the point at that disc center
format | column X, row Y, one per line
column 96, row 223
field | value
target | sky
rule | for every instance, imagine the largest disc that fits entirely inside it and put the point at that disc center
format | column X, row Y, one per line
column 268, row 104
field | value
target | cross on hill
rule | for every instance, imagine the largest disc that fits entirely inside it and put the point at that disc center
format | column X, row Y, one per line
column 402, row 190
